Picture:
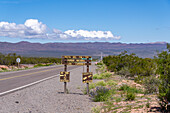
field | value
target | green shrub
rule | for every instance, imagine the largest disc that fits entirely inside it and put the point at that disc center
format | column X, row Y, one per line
column 4, row 69
column 124, row 71
column 130, row 65
column 96, row 109
column 99, row 63
column 106, row 75
column 147, row 104
column 124, row 87
column 151, row 84
column 38, row 65
column 111, row 83
column 93, row 85
column 130, row 96
column 163, row 62
column 102, row 75
column 97, row 76
column 101, row 83
column 100, row 94
column 127, row 88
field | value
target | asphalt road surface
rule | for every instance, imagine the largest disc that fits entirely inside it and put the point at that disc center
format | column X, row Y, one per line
column 12, row 80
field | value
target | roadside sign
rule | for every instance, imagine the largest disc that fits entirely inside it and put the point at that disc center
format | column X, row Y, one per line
column 77, row 63
column 18, row 60
column 76, row 57
column 87, row 77
column 64, row 76
column 76, row 60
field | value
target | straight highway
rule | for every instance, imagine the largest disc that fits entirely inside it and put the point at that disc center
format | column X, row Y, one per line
column 15, row 79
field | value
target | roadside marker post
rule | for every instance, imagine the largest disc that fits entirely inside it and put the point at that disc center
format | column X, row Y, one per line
column 76, row 60
column 18, row 60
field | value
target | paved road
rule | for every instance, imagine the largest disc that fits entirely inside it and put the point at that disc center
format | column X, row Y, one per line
column 12, row 80
column 48, row 96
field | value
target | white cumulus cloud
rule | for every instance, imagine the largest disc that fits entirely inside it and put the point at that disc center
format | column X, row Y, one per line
column 32, row 28
column 100, row 35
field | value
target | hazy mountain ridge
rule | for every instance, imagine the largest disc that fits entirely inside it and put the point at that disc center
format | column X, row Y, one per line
column 94, row 49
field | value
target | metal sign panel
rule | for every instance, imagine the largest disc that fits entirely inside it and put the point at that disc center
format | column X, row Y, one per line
column 64, row 76
column 76, row 57
column 87, row 77
column 77, row 63
column 76, row 60
column 18, row 60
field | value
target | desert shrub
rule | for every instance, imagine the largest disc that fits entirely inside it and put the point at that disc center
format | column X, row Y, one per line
column 101, row 83
column 97, row 76
column 151, row 84
column 106, row 75
column 101, row 68
column 99, row 63
column 39, row 65
column 130, row 96
column 4, row 69
column 163, row 62
column 102, row 75
column 111, row 83
column 124, row 71
column 124, row 87
column 10, row 59
column 127, row 88
column 96, row 109
column 100, row 93
column 130, row 65
column 147, row 104
column 93, row 85
column 139, row 79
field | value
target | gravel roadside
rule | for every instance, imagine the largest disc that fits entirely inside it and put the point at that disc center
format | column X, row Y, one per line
column 48, row 97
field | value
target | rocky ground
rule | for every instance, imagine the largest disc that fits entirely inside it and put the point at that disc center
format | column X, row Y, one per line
column 118, row 104
column 48, row 97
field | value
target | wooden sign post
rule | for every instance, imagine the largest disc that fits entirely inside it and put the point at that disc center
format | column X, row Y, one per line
column 65, row 83
column 76, row 60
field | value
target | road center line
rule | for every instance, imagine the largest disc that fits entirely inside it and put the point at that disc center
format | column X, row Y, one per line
column 28, row 74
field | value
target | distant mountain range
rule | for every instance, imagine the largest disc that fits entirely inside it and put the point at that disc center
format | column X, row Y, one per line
column 94, row 49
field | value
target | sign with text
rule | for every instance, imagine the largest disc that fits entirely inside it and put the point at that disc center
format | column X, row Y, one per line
column 76, row 60
column 64, row 76
column 87, row 77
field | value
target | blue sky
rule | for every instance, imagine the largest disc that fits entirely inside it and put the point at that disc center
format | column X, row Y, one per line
column 128, row 21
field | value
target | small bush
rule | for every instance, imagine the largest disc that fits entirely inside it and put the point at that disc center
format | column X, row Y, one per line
column 101, row 83
column 111, row 83
column 4, row 69
column 130, row 96
column 147, row 104
column 97, row 76
column 96, row 109
column 124, row 87
column 106, row 75
column 99, row 63
column 102, row 75
column 124, row 71
column 100, row 93
column 38, row 65
column 151, row 84
column 127, row 88
column 93, row 85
